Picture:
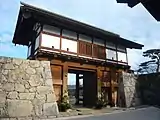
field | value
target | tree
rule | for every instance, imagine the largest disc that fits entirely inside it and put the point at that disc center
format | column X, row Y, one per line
column 153, row 65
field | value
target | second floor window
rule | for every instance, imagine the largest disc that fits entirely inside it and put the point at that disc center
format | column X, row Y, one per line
column 111, row 54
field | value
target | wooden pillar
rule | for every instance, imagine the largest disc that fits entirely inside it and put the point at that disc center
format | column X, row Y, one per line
column 113, row 78
column 77, row 88
column 99, row 75
column 65, row 79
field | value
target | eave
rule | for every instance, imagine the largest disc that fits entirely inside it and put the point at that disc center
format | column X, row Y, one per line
column 24, row 28
column 151, row 5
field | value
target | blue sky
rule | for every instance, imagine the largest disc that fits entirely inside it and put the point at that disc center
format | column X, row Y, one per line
column 135, row 24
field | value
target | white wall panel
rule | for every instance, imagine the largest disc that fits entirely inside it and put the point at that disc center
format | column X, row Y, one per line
column 111, row 54
column 49, row 41
column 70, row 44
column 122, row 57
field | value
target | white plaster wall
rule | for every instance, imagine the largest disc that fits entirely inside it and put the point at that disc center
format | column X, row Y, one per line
column 72, row 45
column 110, row 54
column 49, row 41
column 37, row 42
column 122, row 57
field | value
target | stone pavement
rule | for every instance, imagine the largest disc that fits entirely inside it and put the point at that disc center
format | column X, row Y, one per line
column 90, row 111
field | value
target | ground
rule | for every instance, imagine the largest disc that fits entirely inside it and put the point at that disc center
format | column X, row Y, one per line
column 149, row 113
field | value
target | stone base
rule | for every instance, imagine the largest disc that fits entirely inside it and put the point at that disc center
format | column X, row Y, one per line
column 26, row 90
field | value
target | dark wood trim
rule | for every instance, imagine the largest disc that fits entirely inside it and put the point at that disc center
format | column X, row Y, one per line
column 60, row 39
column 40, row 40
column 78, row 44
column 57, row 50
column 55, row 35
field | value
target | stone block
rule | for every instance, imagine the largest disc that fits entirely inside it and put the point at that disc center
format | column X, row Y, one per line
column 38, row 110
column 25, row 118
column 34, row 64
column 4, row 119
column 27, row 85
column 33, row 89
column 8, row 87
column 41, row 96
column 19, row 87
column 51, row 98
column 49, row 82
column 3, row 78
column 3, row 113
column 44, row 89
column 12, row 95
column 50, row 109
column 17, row 62
column 30, row 71
column 9, row 66
column 19, row 108
column 35, row 80
column 38, row 102
column 26, row 96
column 2, row 99
column 12, row 118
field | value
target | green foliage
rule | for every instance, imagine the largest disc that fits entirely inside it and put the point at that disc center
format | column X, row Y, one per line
column 63, row 104
column 101, row 102
column 150, row 66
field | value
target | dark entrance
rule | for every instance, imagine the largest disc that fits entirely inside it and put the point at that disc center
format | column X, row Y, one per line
column 86, row 87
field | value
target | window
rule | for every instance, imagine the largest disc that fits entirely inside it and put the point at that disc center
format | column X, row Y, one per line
column 122, row 57
column 51, row 29
column 110, row 45
column 99, row 41
column 85, row 38
column 69, row 34
column 69, row 45
column 111, row 54
column 121, row 48
column 50, row 41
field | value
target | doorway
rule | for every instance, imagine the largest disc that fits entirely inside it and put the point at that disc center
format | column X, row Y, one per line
column 84, row 90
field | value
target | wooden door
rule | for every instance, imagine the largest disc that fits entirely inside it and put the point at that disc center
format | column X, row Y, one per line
column 57, row 80
column 89, row 89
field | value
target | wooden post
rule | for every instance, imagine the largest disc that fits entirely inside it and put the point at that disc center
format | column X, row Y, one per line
column 99, row 75
column 65, row 79
column 113, row 78
column 77, row 88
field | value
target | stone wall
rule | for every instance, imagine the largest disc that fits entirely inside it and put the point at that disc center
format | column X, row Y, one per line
column 26, row 90
column 128, row 90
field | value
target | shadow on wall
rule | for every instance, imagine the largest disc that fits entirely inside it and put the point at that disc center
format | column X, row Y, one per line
column 149, row 87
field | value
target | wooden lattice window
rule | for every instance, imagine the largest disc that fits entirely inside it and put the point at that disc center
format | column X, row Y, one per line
column 85, row 48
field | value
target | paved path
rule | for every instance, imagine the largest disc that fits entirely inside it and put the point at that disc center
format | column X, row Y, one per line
column 149, row 113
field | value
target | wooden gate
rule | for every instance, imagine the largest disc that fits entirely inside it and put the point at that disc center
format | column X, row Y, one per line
column 57, row 80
